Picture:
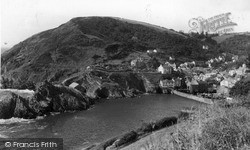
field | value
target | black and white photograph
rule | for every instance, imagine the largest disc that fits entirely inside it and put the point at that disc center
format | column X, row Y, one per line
column 125, row 75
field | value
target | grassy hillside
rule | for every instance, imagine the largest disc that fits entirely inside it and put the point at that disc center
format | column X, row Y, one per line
column 237, row 44
column 3, row 49
column 162, row 29
column 222, row 38
column 83, row 41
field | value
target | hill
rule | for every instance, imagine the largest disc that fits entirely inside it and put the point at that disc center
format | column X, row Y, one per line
column 162, row 29
column 238, row 44
column 221, row 38
column 3, row 49
column 68, row 49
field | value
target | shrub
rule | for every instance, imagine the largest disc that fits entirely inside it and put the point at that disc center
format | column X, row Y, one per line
column 215, row 128
column 229, row 131
column 241, row 87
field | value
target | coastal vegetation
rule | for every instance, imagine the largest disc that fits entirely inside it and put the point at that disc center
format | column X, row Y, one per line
column 215, row 127
column 218, row 126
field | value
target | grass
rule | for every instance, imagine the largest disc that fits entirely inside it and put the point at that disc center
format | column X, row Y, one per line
column 210, row 128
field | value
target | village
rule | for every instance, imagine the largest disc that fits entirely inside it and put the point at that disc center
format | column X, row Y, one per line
column 211, row 79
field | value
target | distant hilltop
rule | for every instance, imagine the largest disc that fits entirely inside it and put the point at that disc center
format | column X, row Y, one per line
column 3, row 49
column 223, row 37
column 72, row 47
column 81, row 42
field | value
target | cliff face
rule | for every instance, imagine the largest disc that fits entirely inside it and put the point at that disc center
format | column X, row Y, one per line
column 50, row 97
column 13, row 105
column 47, row 98
column 103, row 84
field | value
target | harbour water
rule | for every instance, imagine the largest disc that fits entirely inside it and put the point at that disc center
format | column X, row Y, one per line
column 106, row 119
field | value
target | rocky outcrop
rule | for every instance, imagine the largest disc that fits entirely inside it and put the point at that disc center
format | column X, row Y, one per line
column 59, row 98
column 150, row 88
column 151, row 82
column 47, row 98
column 50, row 97
column 13, row 105
column 103, row 84
column 7, row 104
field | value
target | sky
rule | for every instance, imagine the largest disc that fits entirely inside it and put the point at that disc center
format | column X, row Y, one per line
column 21, row 19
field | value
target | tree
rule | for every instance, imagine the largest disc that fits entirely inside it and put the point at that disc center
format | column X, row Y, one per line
column 153, row 63
column 241, row 88
column 248, row 54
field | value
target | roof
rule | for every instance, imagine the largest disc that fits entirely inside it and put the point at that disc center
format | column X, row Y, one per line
column 73, row 85
column 166, row 66
column 194, row 82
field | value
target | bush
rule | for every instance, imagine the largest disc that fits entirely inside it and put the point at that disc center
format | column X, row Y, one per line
column 215, row 128
column 241, row 87
column 229, row 131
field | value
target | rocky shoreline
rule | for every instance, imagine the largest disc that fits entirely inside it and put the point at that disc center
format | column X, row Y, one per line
column 49, row 97
column 46, row 99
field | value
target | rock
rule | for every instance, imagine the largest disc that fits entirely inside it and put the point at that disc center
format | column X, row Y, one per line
column 47, row 98
column 102, row 92
column 23, row 108
column 7, row 105
column 68, row 102
column 13, row 105
column 60, row 98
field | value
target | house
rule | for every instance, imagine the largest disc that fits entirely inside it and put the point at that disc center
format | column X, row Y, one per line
column 171, row 58
column 160, row 69
column 205, row 47
column 192, row 85
column 73, row 85
column 223, row 91
column 232, row 72
column 201, row 77
column 77, row 87
column 149, row 51
column 174, row 66
column 165, row 69
column 221, row 58
column 196, row 77
column 138, row 62
column 224, row 83
column 235, row 58
column 178, row 82
column 228, row 82
column 133, row 63
column 167, row 83
column 171, row 65
column 241, row 70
